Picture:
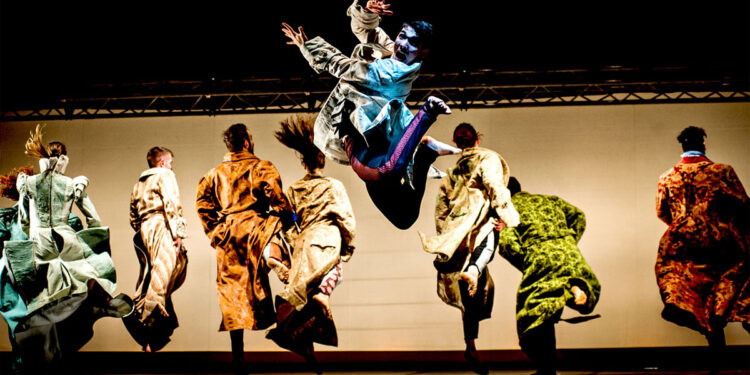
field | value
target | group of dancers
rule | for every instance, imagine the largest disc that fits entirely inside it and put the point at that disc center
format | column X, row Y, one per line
column 57, row 279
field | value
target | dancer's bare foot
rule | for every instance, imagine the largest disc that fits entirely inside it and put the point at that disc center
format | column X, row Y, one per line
column 323, row 300
column 579, row 297
column 441, row 148
column 471, row 277
column 435, row 173
column 281, row 270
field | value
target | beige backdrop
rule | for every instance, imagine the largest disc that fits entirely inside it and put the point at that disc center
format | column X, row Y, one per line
column 604, row 159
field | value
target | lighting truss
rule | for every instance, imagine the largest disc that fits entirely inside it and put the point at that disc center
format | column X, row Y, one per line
column 461, row 90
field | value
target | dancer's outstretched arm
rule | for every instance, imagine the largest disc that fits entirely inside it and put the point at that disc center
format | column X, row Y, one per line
column 366, row 20
column 323, row 57
column 297, row 38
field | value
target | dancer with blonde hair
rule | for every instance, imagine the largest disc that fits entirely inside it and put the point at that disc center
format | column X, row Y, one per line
column 73, row 266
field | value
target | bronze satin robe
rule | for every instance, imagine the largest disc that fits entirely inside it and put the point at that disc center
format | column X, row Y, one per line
column 702, row 267
column 233, row 202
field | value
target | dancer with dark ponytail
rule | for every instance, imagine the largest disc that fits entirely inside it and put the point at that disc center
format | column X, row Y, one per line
column 321, row 239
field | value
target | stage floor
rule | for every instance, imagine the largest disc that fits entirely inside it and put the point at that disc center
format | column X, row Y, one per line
column 739, row 372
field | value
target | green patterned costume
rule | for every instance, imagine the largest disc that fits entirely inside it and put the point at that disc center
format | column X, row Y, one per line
column 544, row 247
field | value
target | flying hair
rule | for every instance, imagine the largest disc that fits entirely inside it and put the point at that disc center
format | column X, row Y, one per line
column 35, row 146
column 8, row 182
column 296, row 132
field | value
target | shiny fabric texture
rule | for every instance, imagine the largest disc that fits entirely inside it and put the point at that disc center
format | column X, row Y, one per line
column 64, row 326
column 327, row 226
column 156, row 329
column 703, row 267
column 234, row 201
column 12, row 306
column 156, row 192
column 544, row 248
column 64, row 273
column 326, row 231
column 55, row 252
column 473, row 192
column 401, row 151
column 368, row 101
column 156, row 215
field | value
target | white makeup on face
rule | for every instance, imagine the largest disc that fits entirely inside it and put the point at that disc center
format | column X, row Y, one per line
column 406, row 47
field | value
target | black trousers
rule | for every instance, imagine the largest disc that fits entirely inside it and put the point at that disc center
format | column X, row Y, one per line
column 471, row 326
column 540, row 346
column 238, row 348
column 396, row 198
column 717, row 346
column 470, row 317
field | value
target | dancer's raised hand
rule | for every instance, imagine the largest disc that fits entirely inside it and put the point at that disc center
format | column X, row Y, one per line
column 379, row 7
column 298, row 38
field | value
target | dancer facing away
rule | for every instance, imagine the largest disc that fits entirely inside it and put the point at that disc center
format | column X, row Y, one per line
column 702, row 266
column 58, row 269
column 473, row 205
column 365, row 122
column 321, row 240
column 12, row 307
column 544, row 248
column 156, row 217
column 240, row 204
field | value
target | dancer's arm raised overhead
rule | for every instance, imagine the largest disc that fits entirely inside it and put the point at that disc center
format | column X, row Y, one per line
column 366, row 20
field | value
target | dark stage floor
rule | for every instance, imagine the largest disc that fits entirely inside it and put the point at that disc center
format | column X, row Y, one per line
column 498, row 372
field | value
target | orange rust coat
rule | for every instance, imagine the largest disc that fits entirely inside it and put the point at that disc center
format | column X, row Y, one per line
column 233, row 203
